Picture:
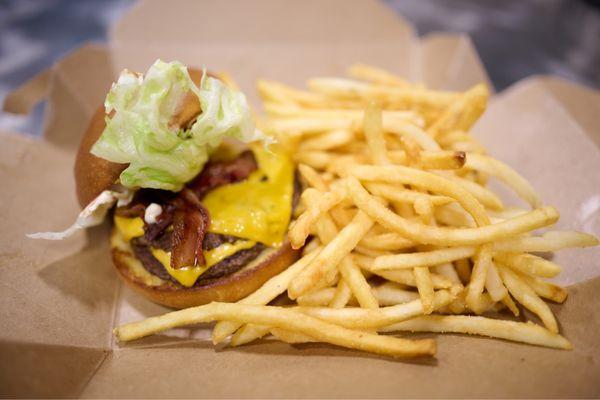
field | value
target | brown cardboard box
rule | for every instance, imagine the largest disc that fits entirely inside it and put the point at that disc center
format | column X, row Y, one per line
column 60, row 300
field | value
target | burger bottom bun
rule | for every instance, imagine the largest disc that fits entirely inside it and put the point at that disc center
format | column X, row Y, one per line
column 229, row 288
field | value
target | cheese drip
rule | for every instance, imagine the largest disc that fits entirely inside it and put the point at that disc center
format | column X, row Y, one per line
column 187, row 276
column 258, row 208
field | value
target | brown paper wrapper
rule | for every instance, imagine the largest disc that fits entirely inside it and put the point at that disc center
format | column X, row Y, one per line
column 60, row 300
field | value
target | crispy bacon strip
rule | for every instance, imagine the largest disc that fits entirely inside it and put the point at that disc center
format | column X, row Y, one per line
column 131, row 210
column 222, row 173
column 190, row 222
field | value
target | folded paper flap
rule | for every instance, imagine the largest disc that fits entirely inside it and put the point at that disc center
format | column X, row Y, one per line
column 529, row 128
column 26, row 96
column 80, row 83
column 582, row 103
column 65, row 293
column 52, row 292
column 240, row 21
column 450, row 62
column 33, row 370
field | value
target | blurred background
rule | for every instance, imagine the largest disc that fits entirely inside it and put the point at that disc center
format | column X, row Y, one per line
column 514, row 38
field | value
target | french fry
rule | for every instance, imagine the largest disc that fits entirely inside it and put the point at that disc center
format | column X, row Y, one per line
column 447, row 270
column 386, row 241
column 375, row 75
column 387, row 294
column 526, row 296
column 412, row 131
column 424, row 180
column 529, row 264
column 485, row 196
column 453, row 215
column 511, row 305
column 275, row 92
column 443, row 160
column 509, row 176
column 342, row 215
column 311, row 246
column 391, row 293
column 248, row 333
column 374, row 134
column 549, row 241
column 327, row 231
column 357, row 283
column 282, row 110
column 483, row 259
column 412, row 151
column 423, row 259
column 312, row 178
column 403, row 276
column 545, row 289
column 341, row 296
column 404, row 195
column 449, row 236
column 300, row 229
column 303, row 126
column 327, row 140
column 349, row 89
column 321, row 297
column 267, row 292
column 366, row 251
column 424, row 208
column 493, row 283
column 406, row 277
column 425, row 288
column 315, row 159
column 462, row 113
column 509, row 330
column 362, row 318
column 280, row 318
column 324, row 264
column 290, row 337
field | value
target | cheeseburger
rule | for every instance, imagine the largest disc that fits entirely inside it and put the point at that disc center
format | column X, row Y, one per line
column 200, row 199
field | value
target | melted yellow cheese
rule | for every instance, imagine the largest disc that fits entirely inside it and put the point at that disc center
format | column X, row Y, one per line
column 187, row 276
column 129, row 227
column 258, row 208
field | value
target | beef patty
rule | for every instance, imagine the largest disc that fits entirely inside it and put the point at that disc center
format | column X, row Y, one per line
column 142, row 250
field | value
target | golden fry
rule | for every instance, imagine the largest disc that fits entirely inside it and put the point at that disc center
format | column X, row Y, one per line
column 322, row 267
column 423, row 259
column 449, row 236
column 526, row 296
column 280, row 318
column 266, row 293
column 509, row 330
column 529, row 264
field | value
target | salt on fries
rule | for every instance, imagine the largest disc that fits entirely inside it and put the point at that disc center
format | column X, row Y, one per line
column 400, row 231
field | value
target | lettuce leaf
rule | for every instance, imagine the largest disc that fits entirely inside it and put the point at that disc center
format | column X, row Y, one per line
column 138, row 133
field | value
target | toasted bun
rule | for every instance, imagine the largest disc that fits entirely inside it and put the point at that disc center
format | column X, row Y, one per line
column 94, row 174
column 230, row 288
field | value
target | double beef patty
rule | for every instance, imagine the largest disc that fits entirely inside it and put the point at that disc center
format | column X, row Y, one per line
column 141, row 248
column 156, row 235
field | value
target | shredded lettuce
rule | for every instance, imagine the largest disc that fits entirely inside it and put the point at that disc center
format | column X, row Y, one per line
column 138, row 133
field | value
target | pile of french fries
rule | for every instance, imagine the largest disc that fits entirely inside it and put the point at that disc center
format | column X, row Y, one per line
column 398, row 227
